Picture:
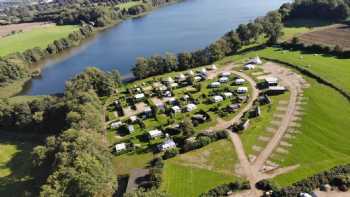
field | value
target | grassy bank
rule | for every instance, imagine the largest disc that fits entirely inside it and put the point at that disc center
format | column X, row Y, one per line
column 38, row 37
column 13, row 88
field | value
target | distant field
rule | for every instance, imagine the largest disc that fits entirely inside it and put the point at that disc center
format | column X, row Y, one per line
column 129, row 4
column 331, row 36
column 38, row 37
column 198, row 171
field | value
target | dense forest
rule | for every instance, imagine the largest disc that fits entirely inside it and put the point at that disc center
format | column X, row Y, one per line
column 76, row 158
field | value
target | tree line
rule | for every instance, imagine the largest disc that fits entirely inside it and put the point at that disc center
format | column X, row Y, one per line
column 75, row 160
column 316, row 9
column 271, row 26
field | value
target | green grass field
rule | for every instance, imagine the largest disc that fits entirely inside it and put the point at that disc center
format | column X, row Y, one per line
column 15, row 165
column 198, row 171
column 323, row 141
column 38, row 37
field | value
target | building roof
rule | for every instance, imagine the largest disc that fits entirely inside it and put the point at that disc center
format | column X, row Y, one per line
column 239, row 80
column 216, row 83
column 176, row 108
column 168, row 144
column 147, row 109
column 249, row 66
column 227, row 94
column 116, row 124
column 277, row 88
column 155, row 133
column 190, row 107
column 223, row 79
column 133, row 118
column 218, row 98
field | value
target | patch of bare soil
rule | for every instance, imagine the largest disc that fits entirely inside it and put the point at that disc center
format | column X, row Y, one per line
column 334, row 35
column 7, row 29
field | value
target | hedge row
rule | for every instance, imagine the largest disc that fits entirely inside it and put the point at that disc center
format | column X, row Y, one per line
column 226, row 189
column 338, row 176
column 312, row 75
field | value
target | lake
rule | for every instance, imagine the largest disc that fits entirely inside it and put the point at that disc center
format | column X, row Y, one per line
column 184, row 26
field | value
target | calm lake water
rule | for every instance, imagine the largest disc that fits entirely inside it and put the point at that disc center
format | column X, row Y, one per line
column 180, row 27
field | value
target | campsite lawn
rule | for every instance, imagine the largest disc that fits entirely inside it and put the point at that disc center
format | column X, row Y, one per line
column 124, row 163
column 15, row 164
column 200, row 170
column 323, row 141
column 258, row 127
column 38, row 37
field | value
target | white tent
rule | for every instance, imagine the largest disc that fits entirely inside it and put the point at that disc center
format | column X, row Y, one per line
column 227, row 94
column 225, row 74
column 217, row 99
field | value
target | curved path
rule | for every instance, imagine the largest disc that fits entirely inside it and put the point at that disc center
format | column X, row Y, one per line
column 253, row 171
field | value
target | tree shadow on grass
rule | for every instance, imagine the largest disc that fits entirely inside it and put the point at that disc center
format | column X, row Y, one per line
column 19, row 182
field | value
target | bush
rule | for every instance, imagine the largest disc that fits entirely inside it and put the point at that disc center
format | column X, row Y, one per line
column 170, row 153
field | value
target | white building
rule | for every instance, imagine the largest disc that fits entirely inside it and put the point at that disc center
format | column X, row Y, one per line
column 227, row 94
column 174, row 85
column 215, row 84
column 225, row 74
column 133, row 118
column 147, row 110
column 271, row 81
column 190, row 107
column 168, row 144
column 217, row 99
column 249, row 66
column 203, row 71
column 120, row 147
column 116, row 125
column 242, row 90
column 176, row 109
column 139, row 96
column 155, row 133
column 239, row 81
column 223, row 79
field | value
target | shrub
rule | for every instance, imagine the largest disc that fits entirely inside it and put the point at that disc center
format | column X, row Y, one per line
column 170, row 153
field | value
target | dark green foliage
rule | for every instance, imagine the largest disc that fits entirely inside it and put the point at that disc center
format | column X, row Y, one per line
column 80, row 165
column 319, row 9
column 223, row 190
column 170, row 153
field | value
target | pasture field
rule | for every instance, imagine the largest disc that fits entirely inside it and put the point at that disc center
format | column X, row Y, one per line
column 326, row 36
column 323, row 139
column 37, row 37
column 200, row 170
column 15, row 164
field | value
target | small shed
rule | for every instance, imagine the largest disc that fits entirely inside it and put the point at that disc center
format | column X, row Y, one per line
column 217, row 99
column 239, row 81
column 176, row 109
column 223, row 79
column 215, row 84
column 272, row 90
column 120, row 147
column 155, row 133
column 168, row 144
column 242, row 90
column 190, row 107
